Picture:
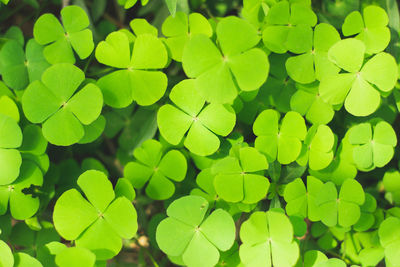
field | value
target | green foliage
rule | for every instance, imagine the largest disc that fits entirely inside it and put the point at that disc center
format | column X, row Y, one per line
column 199, row 133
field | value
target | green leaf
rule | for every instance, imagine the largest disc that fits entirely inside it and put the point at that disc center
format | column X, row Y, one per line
column 283, row 144
column 347, row 54
column 171, row 4
column 191, row 236
column 388, row 235
column 21, row 259
column 236, row 179
column 72, row 214
column 345, row 209
column 301, row 201
column 60, row 40
column 266, row 238
column 75, row 256
column 7, row 259
column 371, row 28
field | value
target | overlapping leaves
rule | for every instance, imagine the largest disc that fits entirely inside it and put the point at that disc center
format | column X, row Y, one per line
column 156, row 167
column 99, row 222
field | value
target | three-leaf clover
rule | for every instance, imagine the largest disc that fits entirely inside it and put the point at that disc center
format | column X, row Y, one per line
column 313, row 63
column 155, row 167
column 240, row 179
column 59, row 39
column 343, row 210
column 285, row 22
column 53, row 102
column 356, row 86
column 10, row 157
column 301, row 201
column 22, row 206
column 219, row 76
column 318, row 147
column 99, row 222
column 307, row 101
column 267, row 240
column 180, row 28
column 373, row 145
column 186, row 233
column 202, row 122
column 18, row 69
column 389, row 233
column 371, row 28
column 138, row 78
column 282, row 142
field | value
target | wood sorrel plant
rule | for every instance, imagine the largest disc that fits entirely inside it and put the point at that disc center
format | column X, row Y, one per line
column 199, row 133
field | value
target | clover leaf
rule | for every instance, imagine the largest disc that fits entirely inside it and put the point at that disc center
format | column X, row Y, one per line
column 190, row 115
column 342, row 166
column 18, row 69
column 99, row 222
column 60, row 39
column 373, row 145
column 318, row 147
column 267, row 240
column 389, row 232
column 343, row 210
column 188, row 234
column 355, row 86
column 139, row 78
column 179, row 29
column 240, row 179
column 22, row 259
column 367, row 218
column 205, row 182
column 155, row 166
column 22, row 206
column 301, row 201
column 371, row 28
column 391, row 183
column 130, row 3
column 255, row 11
column 313, row 63
column 52, row 102
column 6, row 256
column 75, row 256
column 307, row 101
column 279, row 142
column 8, row 107
column 219, row 76
column 10, row 157
column 286, row 22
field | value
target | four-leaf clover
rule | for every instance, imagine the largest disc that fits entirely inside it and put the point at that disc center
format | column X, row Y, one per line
column 59, row 40
column 192, row 116
column 301, row 201
column 186, row 233
column 138, row 78
column 155, row 167
column 240, row 179
column 343, row 210
column 373, row 145
column 313, row 62
column 279, row 142
column 180, row 28
column 18, row 69
column 240, row 66
column 53, row 102
column 267, row 240
column 99, row 222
